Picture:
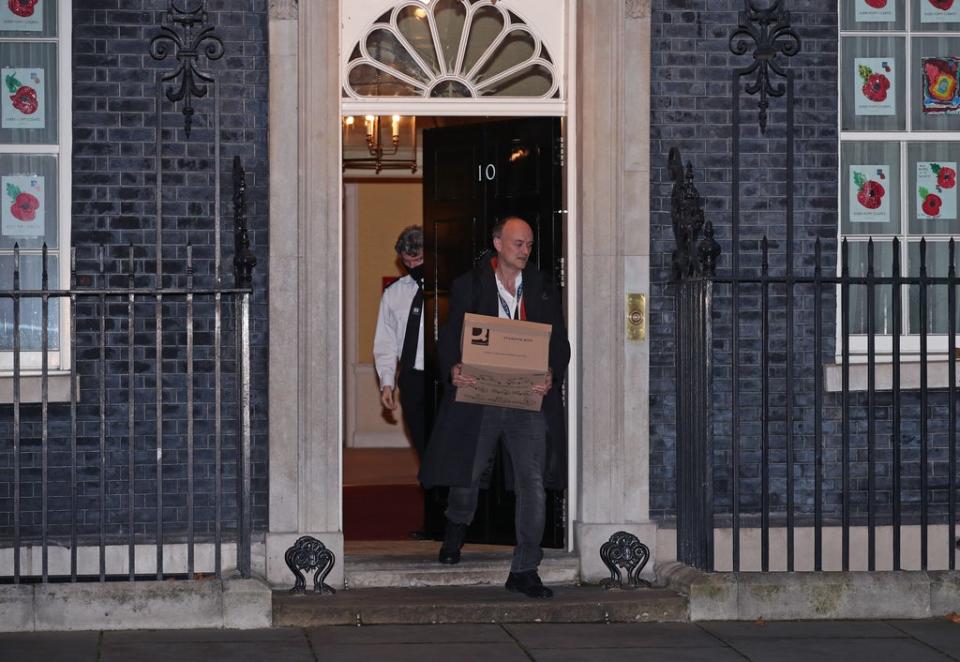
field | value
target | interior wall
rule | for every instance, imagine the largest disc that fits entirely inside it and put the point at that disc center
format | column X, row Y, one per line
column 384, row 209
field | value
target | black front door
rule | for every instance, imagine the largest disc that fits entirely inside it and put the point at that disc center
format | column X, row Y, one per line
column 473, row 176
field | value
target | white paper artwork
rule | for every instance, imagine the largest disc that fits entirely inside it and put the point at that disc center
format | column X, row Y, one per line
column 875, row 11
column 21, row 16
column 937, row 190
column 23, row 99
column 939, row 11
column 873, row 86
column 869, row 200
column 23, row 212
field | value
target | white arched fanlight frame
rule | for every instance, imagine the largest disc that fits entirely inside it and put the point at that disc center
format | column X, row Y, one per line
column 432, row 76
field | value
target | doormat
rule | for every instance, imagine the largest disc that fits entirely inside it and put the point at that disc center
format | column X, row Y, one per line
column 382, row 512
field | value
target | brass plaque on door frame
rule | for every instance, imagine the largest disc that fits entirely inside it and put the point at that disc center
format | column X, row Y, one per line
column 636, row 317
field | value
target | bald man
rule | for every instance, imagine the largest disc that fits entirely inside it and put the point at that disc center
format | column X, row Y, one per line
column 465, row 436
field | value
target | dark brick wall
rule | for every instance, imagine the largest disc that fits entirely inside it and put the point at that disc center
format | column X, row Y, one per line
column 113, row 205
column 692, row 109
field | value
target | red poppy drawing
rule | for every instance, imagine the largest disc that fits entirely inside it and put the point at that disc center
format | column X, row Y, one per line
column 25, row 205
column 23, row 97
column 24, row 8
column 869, row 192
column 946, row 176
column 931, row 202
column 875, row 85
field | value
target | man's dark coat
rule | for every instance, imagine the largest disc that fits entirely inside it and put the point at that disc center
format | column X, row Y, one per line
column 453, row 442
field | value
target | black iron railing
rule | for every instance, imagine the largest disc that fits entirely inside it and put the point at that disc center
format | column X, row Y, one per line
column 157, row 370
column 764, row 442
column 143, row 470
column 792, row 452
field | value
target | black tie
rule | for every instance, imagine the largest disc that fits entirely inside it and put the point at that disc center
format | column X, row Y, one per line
column 411, row 337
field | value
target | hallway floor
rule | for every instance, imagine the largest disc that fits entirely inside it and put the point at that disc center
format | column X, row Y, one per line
column 382, row 499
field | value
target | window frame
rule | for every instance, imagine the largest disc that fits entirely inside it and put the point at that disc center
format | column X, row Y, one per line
column 937, row 343
column 59, row 360
column 548, row 20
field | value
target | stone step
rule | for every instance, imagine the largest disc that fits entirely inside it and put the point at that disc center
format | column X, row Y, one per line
column 487, row 568
column 477, row 604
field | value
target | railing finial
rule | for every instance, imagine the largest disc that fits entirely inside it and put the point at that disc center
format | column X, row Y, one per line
column 693, row 257
column 243, row 258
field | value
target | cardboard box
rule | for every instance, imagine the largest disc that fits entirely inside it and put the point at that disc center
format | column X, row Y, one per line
column 506, row 357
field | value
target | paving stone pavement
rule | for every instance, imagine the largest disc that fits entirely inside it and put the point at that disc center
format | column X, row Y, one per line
column 821, row 641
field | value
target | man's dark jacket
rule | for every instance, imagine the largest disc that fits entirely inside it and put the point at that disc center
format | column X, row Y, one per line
column 453, row 442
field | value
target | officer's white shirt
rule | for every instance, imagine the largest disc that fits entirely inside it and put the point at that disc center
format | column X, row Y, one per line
column 392, row 326
column 508, row 298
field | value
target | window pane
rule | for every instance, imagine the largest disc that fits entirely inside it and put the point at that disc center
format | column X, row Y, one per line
column 28, row 201
column 935, row 106
column 450, row 16
column 486, row 26
column 28, row 18
column 932, row 173
column 870, row 188
column 31, row 310
column 938, row 262
column 935, row 15
column 369, row 81
column 858, row 252
column 516, row 48
column 385, row 48
column 28, row 102
column 451, row 89
column 872, row 79
column 875, row 15
column 534, row 81
column 412, row 23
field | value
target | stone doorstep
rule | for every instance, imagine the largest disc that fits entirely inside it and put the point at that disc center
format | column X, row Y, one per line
column 476, row 604
column 909, row 594
column 174, row 604
column 475, row 569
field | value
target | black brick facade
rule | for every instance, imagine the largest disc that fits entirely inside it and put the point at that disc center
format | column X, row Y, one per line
column 114, row 91
column 113, row 190
column 692, row 71
column 692, row 101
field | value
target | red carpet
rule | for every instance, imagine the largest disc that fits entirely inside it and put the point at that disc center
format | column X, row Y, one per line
column 382, row 512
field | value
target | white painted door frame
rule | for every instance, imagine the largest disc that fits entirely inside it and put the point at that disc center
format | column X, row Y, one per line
column 519, row 108
column 607, row 256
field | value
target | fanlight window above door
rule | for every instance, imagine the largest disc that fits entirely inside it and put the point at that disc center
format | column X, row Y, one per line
column 451, row 49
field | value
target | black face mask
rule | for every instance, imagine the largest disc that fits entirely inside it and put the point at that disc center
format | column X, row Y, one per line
column 416, row 273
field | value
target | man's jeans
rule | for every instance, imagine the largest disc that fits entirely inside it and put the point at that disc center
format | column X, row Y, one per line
column 524, row 438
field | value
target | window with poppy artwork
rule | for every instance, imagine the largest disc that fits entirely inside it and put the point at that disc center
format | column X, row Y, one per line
column 35, row 156
column 940, row 85
column 899, row 155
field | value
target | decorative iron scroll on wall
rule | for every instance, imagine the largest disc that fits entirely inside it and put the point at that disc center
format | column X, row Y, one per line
column 693, row 256
column 624, row 550
column 770, row 31
column 308, row 554
column 194, row 39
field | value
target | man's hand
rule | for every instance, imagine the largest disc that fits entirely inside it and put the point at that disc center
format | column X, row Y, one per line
column 544, row 386
column 459, row 379
column 388, row 398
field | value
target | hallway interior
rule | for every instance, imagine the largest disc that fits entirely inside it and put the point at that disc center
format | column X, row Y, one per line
column 382, row 500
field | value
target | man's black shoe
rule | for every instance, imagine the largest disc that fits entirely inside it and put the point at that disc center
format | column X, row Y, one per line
column 453, row 538
column 529, row 584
